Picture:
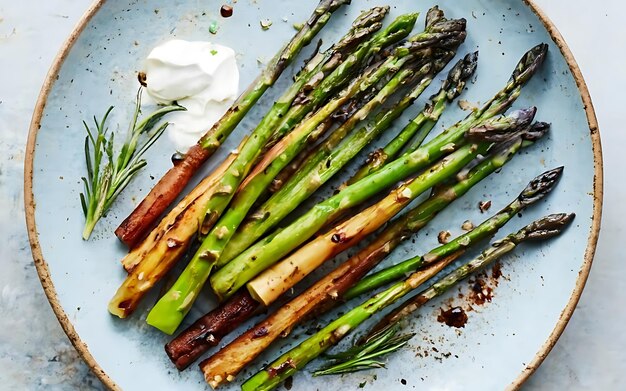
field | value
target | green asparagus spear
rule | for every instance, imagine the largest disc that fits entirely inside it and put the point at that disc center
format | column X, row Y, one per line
column 330, row 335
column 278, row 244
column 420, row 126
column 535, row 190
column 322, row 295
column 174, row 305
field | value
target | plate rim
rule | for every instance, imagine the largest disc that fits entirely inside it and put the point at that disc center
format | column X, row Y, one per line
column 82, row 348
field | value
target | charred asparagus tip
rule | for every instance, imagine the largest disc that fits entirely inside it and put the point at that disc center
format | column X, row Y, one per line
column 540, row 186
column 459, row 74
column 529, row 63
column 546, row 227
column 503, row 128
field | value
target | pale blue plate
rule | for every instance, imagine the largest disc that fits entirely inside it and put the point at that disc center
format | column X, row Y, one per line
column 503, row 341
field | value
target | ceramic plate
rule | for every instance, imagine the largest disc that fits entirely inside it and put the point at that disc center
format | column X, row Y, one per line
column 503, row 341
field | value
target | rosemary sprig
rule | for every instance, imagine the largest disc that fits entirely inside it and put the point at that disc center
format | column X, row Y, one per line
column 106, row 180
column 361, row 357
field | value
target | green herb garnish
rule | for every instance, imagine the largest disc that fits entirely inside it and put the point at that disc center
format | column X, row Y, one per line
column 213, row 27
column 106, row 180
column 361, row 357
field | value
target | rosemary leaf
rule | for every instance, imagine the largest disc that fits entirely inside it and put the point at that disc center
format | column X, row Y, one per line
column 106, row 179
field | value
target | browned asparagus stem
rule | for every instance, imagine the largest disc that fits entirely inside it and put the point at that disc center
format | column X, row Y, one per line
column 209, row 330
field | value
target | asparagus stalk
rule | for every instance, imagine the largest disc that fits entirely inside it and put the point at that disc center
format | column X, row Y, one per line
column 330, row 158
column 278, row 244
column 171, row 309
column 425, row 121
column 311, row 148
column 211, row 328
column 136, row 225
column 531, row 194
column 330, row 335
column 282, row 276
column 331, row 288
column 161, row 258
column 176, row 303
column 545, row 228
column 265, row 253
column 291, row 110
column 178, row 226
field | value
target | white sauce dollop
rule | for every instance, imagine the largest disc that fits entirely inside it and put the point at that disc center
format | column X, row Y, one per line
column 201, row 76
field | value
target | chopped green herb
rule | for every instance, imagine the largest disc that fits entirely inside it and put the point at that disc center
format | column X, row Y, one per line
column 213, row 27
column 213, row 52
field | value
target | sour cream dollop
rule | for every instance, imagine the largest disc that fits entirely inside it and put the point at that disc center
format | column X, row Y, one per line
column 201, row 76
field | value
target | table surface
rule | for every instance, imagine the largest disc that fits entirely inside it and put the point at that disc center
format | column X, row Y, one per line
column 34, row 351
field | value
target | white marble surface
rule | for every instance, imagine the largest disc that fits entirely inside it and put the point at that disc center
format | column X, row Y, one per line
column 34, row 352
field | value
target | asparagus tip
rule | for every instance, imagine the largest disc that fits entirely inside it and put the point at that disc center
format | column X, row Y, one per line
column 458, row 75
column 535, row 131
column 540, row 186
column 503, row 128
column 548, row 226
column 529, row 63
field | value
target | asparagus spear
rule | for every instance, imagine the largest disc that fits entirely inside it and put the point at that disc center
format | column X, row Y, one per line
column 330, row 335
column 161, row 257
column 211, row 328
column 421, row 125
column 277, row 279
column 134, row 227
column 331, row 288
column 545, row 228
column 269, row 250
column 291, row 110
column 330, row 158
column 395, row 272
column 177, row 227
column 278, row 244
column 176, row 303
column 170, row 310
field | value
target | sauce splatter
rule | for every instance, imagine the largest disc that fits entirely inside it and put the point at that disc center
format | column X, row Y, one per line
column 480, row 292
column 453, row 317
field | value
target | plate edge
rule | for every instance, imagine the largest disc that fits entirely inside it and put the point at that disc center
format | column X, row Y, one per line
column 82, row 348
column 598, row 191
column 29, row 200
